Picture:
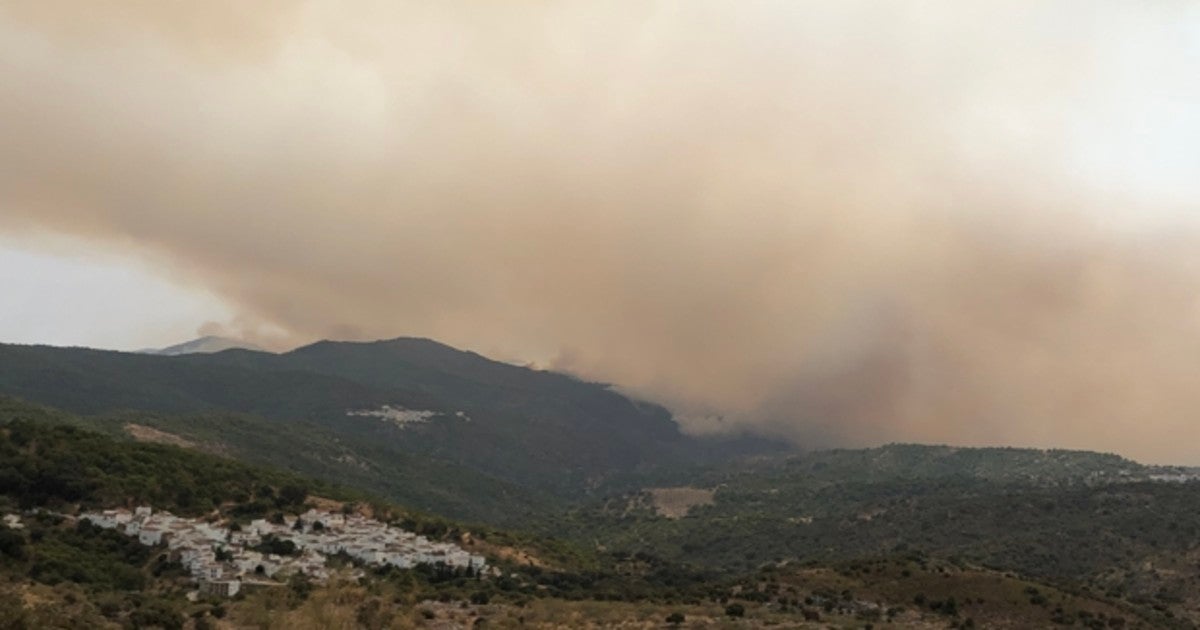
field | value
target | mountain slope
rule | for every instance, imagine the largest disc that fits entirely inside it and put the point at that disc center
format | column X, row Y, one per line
column 57, row 571
column 367, row 461
column 410, row 414
column 581, row 430
column 1088, row 522
column 84, row 380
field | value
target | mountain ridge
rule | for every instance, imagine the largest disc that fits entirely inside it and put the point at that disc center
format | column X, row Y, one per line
column 545, row 433
column 203, row 345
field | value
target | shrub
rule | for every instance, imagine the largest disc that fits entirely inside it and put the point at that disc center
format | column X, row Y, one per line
column 12, row 544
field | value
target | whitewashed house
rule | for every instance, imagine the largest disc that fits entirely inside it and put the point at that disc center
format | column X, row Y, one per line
column 220, row 588
column 150, row 535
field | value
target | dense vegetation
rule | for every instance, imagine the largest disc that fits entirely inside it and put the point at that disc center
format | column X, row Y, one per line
column 362, row 461
column 49, row 460
column 83, row 576
column 526, row 440
column 1085, row 521
column 62, row 465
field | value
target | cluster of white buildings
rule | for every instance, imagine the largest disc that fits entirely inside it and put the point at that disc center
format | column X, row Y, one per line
column 1175, row 476
column 404, row 418
column 221, row 558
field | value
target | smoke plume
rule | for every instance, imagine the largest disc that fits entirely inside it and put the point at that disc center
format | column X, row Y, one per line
column 849, row 224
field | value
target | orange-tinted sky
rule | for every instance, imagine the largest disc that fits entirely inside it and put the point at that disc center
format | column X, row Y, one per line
column 844, row 223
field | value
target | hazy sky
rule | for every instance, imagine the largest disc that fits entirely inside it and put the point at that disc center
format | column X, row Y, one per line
column 69, row 294
column 844, row 222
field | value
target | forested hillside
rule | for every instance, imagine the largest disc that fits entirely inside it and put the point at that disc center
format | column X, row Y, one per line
column 1093, row 522
column 495, row 442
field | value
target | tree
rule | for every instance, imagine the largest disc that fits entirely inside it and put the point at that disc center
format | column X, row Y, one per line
column 278, row 546
column 292, row 494
column 299, row 588
column 12, row 543
column 156, row 614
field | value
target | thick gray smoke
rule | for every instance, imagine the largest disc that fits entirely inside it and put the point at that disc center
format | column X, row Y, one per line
column 845, row 224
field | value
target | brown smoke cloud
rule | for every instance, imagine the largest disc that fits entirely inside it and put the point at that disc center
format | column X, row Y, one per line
column 850, row 225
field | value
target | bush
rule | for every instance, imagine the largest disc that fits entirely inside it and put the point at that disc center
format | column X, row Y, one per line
column 12, row 544
column 12, row 611
column 735, row 610
column 278, row 546
column 292, row 495
column 156, row 614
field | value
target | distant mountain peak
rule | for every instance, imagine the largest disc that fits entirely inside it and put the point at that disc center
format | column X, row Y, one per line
column 392, row 342
column 204, row 345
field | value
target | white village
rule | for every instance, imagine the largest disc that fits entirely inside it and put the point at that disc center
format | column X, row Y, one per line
column 223, row 560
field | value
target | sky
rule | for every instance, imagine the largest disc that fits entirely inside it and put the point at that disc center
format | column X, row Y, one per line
column 62, row 294
column 841, row 223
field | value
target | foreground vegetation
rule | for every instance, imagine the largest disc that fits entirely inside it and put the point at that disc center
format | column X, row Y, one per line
column 1089, row 523
column 901, row 536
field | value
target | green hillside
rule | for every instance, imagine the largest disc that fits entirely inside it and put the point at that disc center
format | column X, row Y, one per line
column 584, row 432
column 51, row 469
column 1085, row 521
column 503, row 443
column 81, row 576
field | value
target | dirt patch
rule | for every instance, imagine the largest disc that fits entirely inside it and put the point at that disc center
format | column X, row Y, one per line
column 143, row 433
column 327, row 504
column 503, row 552
column 676, row 502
